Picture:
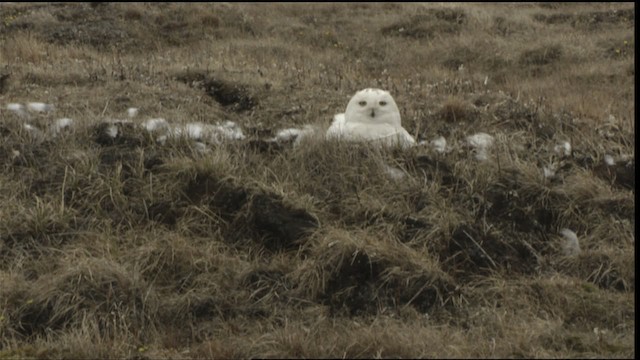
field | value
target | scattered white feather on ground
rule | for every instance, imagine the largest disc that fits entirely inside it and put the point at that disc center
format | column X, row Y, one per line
column 152, row 125
column 132, row 112
column 570, row 245
column 215, row 134
column 394, row 173
column 16, row 108
column 549, row 170
column 34, row 132
column 230, row 131
column 563, row 148
column 39, row 107
column 190, row 130
column 439, row 144
column 61, row 124
column 30, row 128
column 480, row 142
column 111, row 130
column 162, row 139
column 289, row 134
column 201, row 147
column 609, row 160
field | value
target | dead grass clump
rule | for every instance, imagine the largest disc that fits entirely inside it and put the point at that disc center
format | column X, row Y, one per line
column 54, row 80
column 436, row 22
column 504, row 27
column 470, row 253
column 544, row 55
column 274, row 222
column 117, row 298
column 132, row 14
column 553, row 18
column 339, row 173
column 619, row 49
column 41, row 222
column 583, row 196
column 227, row 93
column 278, row 224
column 458, row 57
column 621, row 174
column 517, row 200
column 524, row 116
column 104, row 32
column 456, row 16
column 210, row 20
column 237, row 22
column 580, row 303
column 26, row 48
column 174, row 27
column 593, row 19
column 608, row 271
column 360, row 274
column 588, row 20
column 4, row 80
column 456, row 110
column 171, row 263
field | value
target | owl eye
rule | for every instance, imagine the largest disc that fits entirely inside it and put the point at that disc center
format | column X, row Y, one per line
column 383, row 103
column 362, row 103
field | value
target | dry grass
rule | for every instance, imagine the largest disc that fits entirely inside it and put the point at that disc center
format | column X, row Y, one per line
column 126, row 248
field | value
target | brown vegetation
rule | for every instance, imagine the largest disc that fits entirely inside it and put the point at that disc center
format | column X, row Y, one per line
column 122, row 247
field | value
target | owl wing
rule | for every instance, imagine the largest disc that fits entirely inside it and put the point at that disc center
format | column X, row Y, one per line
column 398, row 136
column 337, row 126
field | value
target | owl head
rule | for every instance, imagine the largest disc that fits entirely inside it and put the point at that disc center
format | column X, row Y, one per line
column 373, row 106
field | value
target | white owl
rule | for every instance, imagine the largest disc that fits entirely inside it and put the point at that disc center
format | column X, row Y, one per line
column 371, row 115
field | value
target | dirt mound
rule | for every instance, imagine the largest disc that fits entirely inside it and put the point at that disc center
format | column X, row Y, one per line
column 367, row 275
column 63, row 299
column 229, row 94
column 261, row 215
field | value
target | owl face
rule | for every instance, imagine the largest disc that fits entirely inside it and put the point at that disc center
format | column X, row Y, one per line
column 373, row 106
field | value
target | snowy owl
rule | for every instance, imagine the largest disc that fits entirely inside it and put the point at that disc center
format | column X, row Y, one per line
column 371, row 115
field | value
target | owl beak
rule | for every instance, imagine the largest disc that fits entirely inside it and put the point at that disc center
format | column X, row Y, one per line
column 373, row 113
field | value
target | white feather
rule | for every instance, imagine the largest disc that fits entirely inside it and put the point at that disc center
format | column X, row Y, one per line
column 563, row 149
column 394, row 173
column 285, row 135
column 153, row 125
column 609, row 160
column 480, row 140
column 62, row 124
column 549, row 171
column 228, row 131
column 570, row 245
column 39, row 107
column 16, row 108
column 132, row 112
column 201, row 147
column 33, row 131
column 209, row 133
column 439, row 144
column 112, row 131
